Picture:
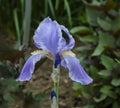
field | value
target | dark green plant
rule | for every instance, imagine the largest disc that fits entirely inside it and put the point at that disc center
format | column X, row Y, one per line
column 99, row 51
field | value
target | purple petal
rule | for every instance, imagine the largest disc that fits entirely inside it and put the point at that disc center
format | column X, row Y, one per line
column 76, row 72
column 48, row 36
column 28, row 68
column 71, row 39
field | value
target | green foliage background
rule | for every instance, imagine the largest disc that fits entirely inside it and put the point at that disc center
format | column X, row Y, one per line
column 95, row 25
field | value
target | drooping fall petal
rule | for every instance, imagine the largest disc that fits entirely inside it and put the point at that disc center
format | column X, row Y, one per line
column 76, row 71
column 28, row 68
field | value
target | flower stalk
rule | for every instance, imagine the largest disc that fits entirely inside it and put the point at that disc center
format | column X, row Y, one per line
column 55, row 77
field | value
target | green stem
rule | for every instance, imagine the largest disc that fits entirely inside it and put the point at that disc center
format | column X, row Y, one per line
column 26, row 35
column 56, row 77
column 56, row 88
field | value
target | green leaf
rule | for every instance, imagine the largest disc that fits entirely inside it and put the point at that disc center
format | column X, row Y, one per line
column 10, row 84
column 108, row 5
column 101, row 98
column 107, row 90
column 104, row 73
column 115, row 82
column 8, row 97
column 99, row 49
column 104, row 24
column 116, row 25
column 50, row 3
column 118, row 61
column 117, row 53
column 102, row 5
column 81, row 30
column 89, row 38
column 118, row 42
column 67, row 7
column 83, row 48
column 76, row 86
column 57, row 4
column 92, row 15
column 17, row 27
column 85, row 90
column 105, row 41
column 6, row 71
column 107, row 62
column 93, row 72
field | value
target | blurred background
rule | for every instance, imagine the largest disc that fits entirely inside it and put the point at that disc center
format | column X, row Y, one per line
column 95, row 25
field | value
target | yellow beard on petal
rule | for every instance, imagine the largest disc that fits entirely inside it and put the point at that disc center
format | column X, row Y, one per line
column 68, row 53
column 47, row 54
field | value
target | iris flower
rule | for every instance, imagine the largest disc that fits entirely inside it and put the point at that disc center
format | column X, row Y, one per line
column 50, row 43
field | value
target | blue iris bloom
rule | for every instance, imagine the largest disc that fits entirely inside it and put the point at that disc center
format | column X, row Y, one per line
column 50, row 43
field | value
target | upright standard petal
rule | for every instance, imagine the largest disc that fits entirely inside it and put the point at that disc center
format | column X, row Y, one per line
column 28, row 68
column 48, row 36
column 76, row 72
column 71, row 39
